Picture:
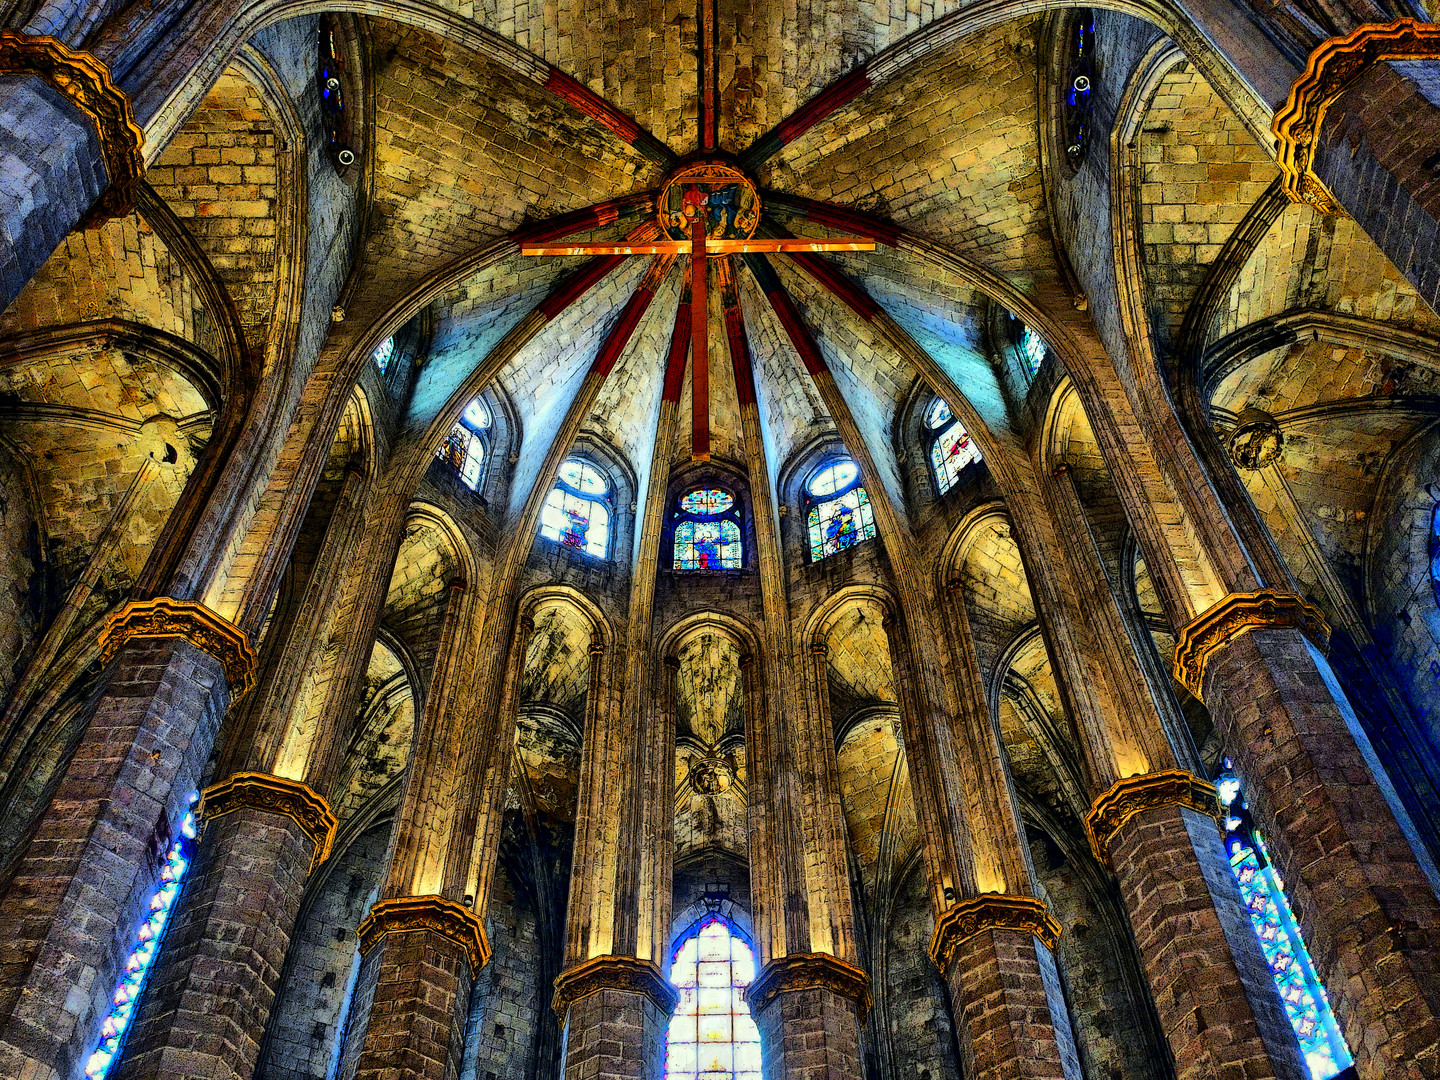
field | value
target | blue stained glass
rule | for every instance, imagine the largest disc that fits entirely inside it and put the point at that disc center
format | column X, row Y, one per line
column 575, row 522
column 1033, row 349
column 951, row 451
column 1301, row 994
column 938, row 414
column 383, row 354
column 132, row 980
column 707, row 545
column 707, row 501
column 840, row 523
column 712, row 1035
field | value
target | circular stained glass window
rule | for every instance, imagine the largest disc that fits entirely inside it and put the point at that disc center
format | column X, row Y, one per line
column 707, row 501
column 833, row 478
column 583, row 478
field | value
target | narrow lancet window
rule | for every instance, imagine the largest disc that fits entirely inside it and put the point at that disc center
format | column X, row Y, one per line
column 707, row 531
column 840, row 515
column 148, row 937
column 384, row 353
column 464, row 448
column 951, row 448
column 1306, row 1005
column 712, row 1034
column 576, row 514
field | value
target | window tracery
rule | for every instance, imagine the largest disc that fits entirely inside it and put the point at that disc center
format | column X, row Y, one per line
column 1079, row 88
column 840, row 515
column 329, row 77
column 712, row 1035
column 951, row 448
column 1301, row 993
column 707, row 531
column 464, row 449
column 142, row 957
column 576, row 514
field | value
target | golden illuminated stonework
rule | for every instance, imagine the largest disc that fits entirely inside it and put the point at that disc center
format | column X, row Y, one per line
column 625, row 973
column 1240, row 613
column 274, row 795
column 445, row 917
column 192, row 621
column 85, row 82
column 1334, row 65
column 806, row 971
column 1136, row 794
column 991, row 911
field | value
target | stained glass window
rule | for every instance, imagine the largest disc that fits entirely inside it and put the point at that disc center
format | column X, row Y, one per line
column 712, row 1035
column 330, row 81
column 464, row 448
column 132, row 980
column 383, row 354
column 951, row 447
column 1079, row 88
column 1300, row 991
column 1033, row 349
column 840, row 514
column 707, row 531
column 572, row 516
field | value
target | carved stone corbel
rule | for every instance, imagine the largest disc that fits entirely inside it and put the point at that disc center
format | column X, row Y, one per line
column 805, row 971
column 1334, row 65
column 612, row 972
column 444, row 917
column 85, row 82
column 274, row 795
column 192, row 621
column 1136, row 794
column 1240, row 613
column 990, row 911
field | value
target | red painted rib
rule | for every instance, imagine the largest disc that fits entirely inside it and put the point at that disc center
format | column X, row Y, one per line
column 624, row 327
column 562, row 225
column 739, row 350
column 576, row 285
column 836, row 217
column 592, row 105
column 799, row 333
column 854, row 297
column 699, row 360
column 836, row 96
column 679, row 347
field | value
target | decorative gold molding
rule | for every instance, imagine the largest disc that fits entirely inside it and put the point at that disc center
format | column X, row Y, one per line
column 188, row 619
column 612, row 972
column 807, row 971
column 1239, row 613
column 446, row 917
column 85, row 82
column 990, row 911
column 274, row 795
column 1334, row 65
column 1136, row 794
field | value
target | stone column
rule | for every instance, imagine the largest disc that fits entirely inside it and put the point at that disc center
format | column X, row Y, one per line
column 420, row 948
column 209, row 995
column 1153, row 824
column 994, row 943
column 71, row 909
column 1360, row 881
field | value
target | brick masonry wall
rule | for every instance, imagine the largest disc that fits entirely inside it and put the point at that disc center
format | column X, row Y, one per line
column 611, row 1035
column 508, row 1003
column 916, row 1020
column 810, row 1034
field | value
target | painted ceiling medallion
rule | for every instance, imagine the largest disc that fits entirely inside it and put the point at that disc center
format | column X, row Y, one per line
column 719, row 195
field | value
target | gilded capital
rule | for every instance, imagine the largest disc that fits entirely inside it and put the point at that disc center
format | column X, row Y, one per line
column 445, row 917
column 990, row 911
column 1240, row 613
column 611, row 972
column 1332, row 68
column 85, row 82
column 808, row 971
column 274, row 795
column 192, row 621
column 1136, row 794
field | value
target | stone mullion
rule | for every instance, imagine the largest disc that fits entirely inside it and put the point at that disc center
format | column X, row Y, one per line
column 90, row 868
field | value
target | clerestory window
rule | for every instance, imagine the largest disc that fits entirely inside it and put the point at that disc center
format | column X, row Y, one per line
column 951, row 448
column 712, row 1035
column 577, row 511
column 384, row 353
column 464, row 449
column 707, row 531
column 839, row 509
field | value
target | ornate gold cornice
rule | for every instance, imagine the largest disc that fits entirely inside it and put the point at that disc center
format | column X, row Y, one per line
column 613, row 973
column 446, row 917
column 1334, row 65
column 274, row 795
column 85, row 82
column 1136, row 794
column 1239, row 613
column 990, row 911
column 807, row 971
column 188, row 619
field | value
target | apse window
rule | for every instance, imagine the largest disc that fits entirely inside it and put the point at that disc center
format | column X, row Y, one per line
column 707, row 531
column 712, row 1034
column 576, row 514
column 951, row 448
column 148, row 937
column 383, row 354
column 1306, row 1006
column 840, row 515
column 1078, row 93
column 464, row 448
